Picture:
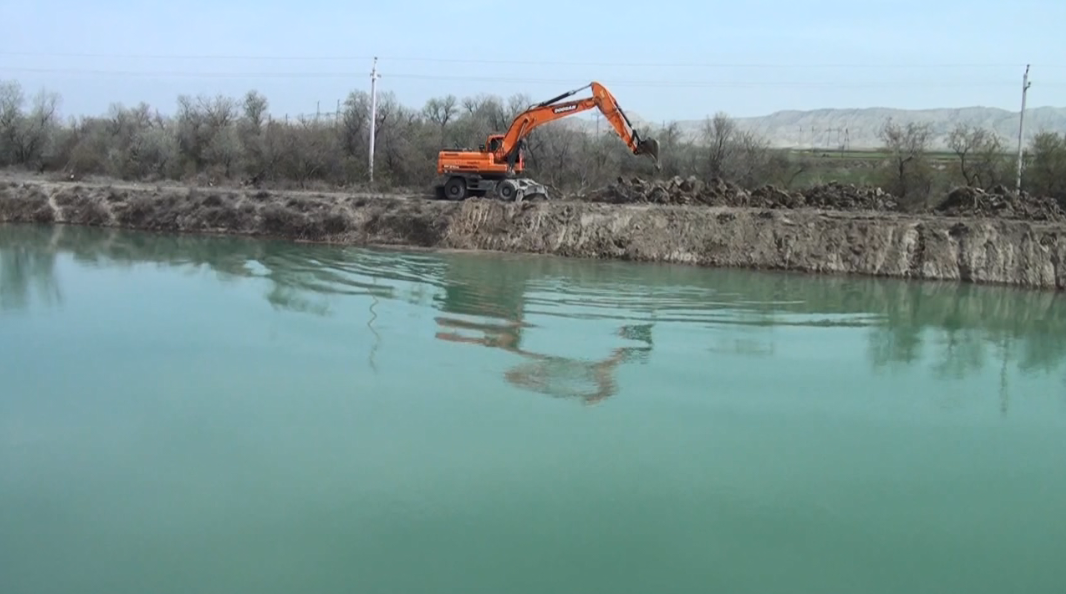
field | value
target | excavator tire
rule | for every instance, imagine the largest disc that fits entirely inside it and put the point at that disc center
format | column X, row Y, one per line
column 507, row 190
column 455, row 188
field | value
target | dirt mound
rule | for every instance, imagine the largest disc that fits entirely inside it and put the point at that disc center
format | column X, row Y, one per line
column 674, row 191
column 1001, row 203
column 718, row 192
column 849, row 197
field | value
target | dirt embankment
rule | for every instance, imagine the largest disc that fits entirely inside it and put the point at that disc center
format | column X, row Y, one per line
column 751, row 235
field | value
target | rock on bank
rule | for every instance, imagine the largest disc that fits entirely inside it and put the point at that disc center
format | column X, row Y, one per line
column 883, row 244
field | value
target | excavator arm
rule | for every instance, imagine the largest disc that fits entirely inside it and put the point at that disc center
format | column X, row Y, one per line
column 556, row 108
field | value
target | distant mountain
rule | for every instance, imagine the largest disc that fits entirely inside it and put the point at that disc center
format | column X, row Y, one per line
column 857, row 128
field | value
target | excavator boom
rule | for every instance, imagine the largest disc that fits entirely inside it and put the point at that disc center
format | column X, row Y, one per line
column 555, row 109
column 492, row 168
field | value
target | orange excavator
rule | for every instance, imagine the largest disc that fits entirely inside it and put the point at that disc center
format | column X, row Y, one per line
column 493, row 169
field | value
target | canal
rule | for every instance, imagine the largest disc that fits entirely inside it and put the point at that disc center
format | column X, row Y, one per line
column 207, row 414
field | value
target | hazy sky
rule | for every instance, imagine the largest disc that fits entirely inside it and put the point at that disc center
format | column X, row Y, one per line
column 670, row 59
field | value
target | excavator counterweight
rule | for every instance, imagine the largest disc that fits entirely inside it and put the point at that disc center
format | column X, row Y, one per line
column 493, row 169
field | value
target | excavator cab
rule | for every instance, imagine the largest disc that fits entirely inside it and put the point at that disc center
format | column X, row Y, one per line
column 494, row 143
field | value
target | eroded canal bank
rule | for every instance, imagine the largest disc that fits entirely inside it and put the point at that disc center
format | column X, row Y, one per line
column 1014, row 252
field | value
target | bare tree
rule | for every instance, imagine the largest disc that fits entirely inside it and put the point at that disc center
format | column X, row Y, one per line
column 906, row 146
column 35, row 131
column 981, row 155
column 355, row 124
column 516, row 104
column 224, row 149
column 719, row 134
column 11, row 101
column 559, row 157
column 255, row 108
column 441, row 111
column 1045, row 172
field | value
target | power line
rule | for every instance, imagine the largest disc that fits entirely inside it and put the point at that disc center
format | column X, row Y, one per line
column 439, row 60
column 676, row 83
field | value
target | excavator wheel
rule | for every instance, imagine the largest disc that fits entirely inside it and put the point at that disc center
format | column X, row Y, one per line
column 455, row 188
column 507, row 190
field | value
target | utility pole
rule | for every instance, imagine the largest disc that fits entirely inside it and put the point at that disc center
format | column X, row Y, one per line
column 1021, row 129
column 374, row 76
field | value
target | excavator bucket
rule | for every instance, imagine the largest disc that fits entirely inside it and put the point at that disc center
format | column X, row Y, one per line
column 649, row 146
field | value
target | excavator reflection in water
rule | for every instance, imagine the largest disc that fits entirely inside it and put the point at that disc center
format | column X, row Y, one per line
column 499, row 294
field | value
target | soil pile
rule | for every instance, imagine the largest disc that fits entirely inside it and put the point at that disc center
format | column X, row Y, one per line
column 1001, row 203
column 837, row 196
column 674, row 191
column 718, row 192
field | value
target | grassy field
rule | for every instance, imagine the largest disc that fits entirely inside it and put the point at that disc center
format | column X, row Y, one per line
column 862, row 167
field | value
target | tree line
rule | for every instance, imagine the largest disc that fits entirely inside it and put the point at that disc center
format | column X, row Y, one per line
column 217, row 139
column 981, row 160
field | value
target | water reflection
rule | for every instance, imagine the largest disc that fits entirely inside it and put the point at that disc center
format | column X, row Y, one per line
column 495, row 301
column 490, row 302
column 24, row 270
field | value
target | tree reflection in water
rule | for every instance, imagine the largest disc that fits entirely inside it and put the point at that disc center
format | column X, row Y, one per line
column 25, row 270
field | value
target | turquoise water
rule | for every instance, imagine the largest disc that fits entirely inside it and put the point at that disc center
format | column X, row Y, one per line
column 189, row 414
